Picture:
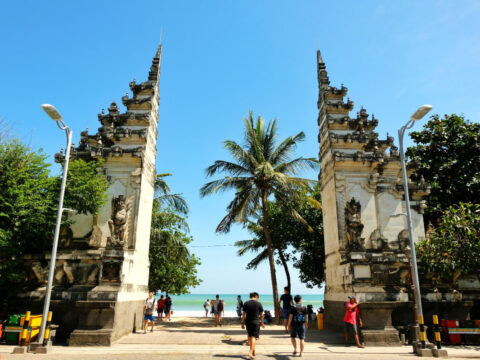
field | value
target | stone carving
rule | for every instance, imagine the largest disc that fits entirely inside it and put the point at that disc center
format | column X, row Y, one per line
column 111, row 271
column 95, row 239
column 40, row 272
column 64, row 272
column 119, row 222
column 66, row 237
column 403, row 239
column 353, row 225
column 377, row 240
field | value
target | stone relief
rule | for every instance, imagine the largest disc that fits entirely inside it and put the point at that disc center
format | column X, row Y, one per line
column 66, row 273
column 377, row 240
column 111, row 271
column 353, row 226
column 95, row 239
column 119, row 222
column 40, row 272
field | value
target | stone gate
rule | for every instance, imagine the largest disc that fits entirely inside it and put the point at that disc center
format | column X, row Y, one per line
column 102, row 267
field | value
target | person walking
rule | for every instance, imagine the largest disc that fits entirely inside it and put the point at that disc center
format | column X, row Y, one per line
column 148, row 312
column 239, row 306
column 350, row 320
column 252, row 319
column 206, row 306
column 287, row 302
column 298, row 324
column 160, row 307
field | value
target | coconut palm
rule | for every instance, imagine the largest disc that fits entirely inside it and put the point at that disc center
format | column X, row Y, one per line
column 164, row 197
column 260, row 170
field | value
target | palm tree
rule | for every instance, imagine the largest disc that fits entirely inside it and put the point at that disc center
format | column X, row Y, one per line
column 261, row 169
column 259, row 246
column 163, row 197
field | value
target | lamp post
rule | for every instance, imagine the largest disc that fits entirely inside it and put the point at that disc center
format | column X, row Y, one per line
column 55, row 116
column 419, row 114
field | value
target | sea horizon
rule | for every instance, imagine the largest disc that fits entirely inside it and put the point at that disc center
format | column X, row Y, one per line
column 192, row 304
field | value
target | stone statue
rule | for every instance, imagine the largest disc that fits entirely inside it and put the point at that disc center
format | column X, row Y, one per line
column 118, row 222
column 354, row 225
column 40, row 272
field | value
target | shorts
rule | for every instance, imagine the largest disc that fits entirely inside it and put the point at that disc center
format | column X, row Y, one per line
column 216, row 312
column 298, row 330
column 253, row 329
column 347, row 326
column 149, row 317
column 286, row 313
column 160, row 311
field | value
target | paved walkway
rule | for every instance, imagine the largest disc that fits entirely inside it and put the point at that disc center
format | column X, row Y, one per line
column 181, row 339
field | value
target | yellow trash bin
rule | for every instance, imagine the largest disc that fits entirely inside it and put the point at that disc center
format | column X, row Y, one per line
column 320, row 321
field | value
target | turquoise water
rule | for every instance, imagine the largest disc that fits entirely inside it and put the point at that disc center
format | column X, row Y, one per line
column 194, row 302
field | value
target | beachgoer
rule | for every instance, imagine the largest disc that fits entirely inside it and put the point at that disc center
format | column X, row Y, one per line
column 298, row 324
column 287, row 302
column 239, row 306
column 160, row 307
column 216, row 311
column 350, row 320
column 168, row 308
column 148, row 312
column 212, row 311
column 223, row 308
column 252, row 319
column 206, row 306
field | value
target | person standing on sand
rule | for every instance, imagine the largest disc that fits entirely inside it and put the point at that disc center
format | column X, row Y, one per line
column 298, row 324
column 216, row 312
column 212, row 304
column 206, row 306
column 160, row 307
column 287, row 302
column 239, row 306
column 168, row 308
column 350, row 320
column 252, row 319
column 148, row 312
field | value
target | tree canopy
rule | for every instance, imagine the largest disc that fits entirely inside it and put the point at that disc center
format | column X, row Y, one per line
column 29, row 201
column 453, row 248
column 173, row 269
column 447, row 153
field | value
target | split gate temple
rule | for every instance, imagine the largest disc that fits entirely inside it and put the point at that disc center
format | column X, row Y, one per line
column 366, row 241
column 101, row 273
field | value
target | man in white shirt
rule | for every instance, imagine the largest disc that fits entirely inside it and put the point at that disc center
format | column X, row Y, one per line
column 148, row 312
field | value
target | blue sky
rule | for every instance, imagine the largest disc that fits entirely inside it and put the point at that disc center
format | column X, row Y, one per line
column 222, row 58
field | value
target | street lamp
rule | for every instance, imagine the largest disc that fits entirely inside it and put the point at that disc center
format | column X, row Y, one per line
column 417, row 115
column 55, row 116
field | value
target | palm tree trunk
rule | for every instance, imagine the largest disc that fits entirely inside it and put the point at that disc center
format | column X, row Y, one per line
column 285, row 266
column 276, row 303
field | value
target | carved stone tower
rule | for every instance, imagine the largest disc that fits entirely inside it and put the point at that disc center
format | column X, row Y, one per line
column 102, row 267
column 362, row 195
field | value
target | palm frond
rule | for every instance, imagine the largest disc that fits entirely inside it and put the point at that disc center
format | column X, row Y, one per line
column 176, row 201
column 161, row 185
column 226, row 166
column 283, row 152
column 296, row 165
column 253, row 264
column 224, row 184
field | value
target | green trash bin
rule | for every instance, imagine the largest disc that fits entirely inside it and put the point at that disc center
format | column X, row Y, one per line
column 13, row 320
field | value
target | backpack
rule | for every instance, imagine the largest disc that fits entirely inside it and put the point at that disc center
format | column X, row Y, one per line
column 299, row 317
column 149, row 309
column 220, row 306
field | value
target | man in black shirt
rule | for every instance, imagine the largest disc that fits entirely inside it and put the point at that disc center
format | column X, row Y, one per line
column 252, row 318
column 287, row 302
column 297, row 324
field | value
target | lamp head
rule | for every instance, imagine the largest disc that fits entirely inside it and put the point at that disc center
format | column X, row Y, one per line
column 52, row 112
column 421, row 112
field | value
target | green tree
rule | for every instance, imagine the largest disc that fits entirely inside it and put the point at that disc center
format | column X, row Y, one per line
column 447, row 156
column 260, row 169
column 28, row 205
column 293, row 242
column 173, row 269
column 453, row 248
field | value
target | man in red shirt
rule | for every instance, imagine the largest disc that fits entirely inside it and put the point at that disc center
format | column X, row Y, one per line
column 160, row 307
column 350, row 320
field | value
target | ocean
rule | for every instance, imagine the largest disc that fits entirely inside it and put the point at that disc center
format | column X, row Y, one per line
column 192, row 304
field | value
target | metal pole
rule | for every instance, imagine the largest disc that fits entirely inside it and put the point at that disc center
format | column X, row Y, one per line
column 416, row 282
column 51, row 270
